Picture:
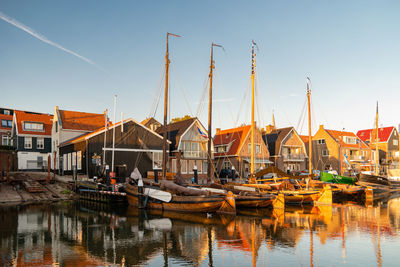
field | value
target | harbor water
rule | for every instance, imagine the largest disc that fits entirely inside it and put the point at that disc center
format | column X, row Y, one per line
column 92, row 234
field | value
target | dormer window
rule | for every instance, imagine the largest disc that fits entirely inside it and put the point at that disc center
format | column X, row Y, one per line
column 33, row 126
column 350, row 140
column 6, row 112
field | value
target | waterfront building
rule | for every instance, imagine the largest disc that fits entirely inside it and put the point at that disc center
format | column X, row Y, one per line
column 6, row 117
column 233, row 150
column 388, row 145
column 135, row 146
column 68, row 125
column 287, row 149
column 31, row 137
column 188, row 139
column 342, row 151
column 151, row 123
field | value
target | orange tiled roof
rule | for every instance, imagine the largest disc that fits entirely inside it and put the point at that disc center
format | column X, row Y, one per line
column 235, row 135
column 304, row 138
column 339, row 137
column 76, row 120
column 25, row 116
column 383, row 134
column 5, row 117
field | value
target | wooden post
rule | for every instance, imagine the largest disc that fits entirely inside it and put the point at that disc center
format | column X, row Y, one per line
column 1, row 167
column 48, row 169
column 54, row 165
column 8, row 169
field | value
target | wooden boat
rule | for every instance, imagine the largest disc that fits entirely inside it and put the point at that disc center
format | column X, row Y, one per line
column 337, row 179
column 369, row 179
column 180, row 203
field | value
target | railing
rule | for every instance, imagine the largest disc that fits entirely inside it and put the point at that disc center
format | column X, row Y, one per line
column 195, row 154
column 294, row 157
column 357, row 157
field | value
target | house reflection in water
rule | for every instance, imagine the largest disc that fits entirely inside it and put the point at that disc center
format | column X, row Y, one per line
column 89, row 234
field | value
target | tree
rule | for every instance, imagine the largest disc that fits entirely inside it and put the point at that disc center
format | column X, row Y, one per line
column 186, row 117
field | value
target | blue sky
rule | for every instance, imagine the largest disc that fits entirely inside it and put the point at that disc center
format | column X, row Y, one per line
column 349, row 49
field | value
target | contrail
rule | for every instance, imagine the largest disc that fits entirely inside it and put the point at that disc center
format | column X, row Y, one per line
column 44, row 39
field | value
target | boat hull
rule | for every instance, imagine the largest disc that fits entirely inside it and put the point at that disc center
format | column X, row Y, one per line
column 301, row 197
column 254, row 201
column 337, row 179
column 177, row 203
column 373, row 179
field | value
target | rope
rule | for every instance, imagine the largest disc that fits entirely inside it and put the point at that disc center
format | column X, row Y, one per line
column 183, row 93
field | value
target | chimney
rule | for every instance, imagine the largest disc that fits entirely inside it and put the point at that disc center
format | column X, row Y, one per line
column 269, row 128
column 321, row 127
column 217, row 130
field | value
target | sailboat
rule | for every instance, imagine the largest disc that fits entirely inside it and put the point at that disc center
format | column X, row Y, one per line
column 243, row 198
column 374, row 179
column 170, row 196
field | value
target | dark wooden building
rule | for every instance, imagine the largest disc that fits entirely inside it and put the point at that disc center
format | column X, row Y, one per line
column 135, row 146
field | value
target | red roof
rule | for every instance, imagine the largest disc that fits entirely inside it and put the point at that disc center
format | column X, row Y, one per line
column 25, row 116
column 236, row 136
column 304, row 138
column 339, row 137
column 76, row 120
column 383, row 134
column 5, row 117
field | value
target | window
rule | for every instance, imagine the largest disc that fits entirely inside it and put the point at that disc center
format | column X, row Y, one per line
column 6, row 112
column 56, row 126
column 174, row 167
column 28, row 143
column 227, row 164
column 69, row 162
column 79, row 160
column 6, row 140
column 183, row 166
column 33, row 126
column 157, row 160
column 395, row 142
column 350, row 140
column 6, row 123
column 321, row 141
column 258, row 149
column 191, row 149
column 249, row 148
column 40, row 143
column 65, row 162
column 325, row 153
column 191, row 165
column 205, row 166
column 199, row 164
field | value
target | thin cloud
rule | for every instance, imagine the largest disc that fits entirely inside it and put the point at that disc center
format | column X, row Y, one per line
column 44, row 39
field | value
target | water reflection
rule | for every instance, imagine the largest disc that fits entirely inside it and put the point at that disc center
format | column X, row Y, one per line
column 92, row 234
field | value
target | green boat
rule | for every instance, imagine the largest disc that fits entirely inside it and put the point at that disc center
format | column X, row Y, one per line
column 337, row 179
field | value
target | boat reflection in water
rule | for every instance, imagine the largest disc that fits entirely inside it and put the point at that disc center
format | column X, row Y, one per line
column 90, row 234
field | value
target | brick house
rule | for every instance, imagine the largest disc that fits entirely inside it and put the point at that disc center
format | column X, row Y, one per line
column 388, row 145
column 189, row 138
column 31, row 135
column 339, row 150
column 6, row 118
column 232, row 148
column 287, row 149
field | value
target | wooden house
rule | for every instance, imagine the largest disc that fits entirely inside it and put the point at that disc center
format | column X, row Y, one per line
column 342, row 151
column 232, row 148
column 388, row 145
column 287, row 149
column 31, row 135
column 68, row 125
column 135, row 146
column 188, row 138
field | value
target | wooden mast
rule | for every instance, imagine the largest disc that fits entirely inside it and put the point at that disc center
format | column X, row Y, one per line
column 210, row 169
column 164, row 159
column 253, row 63
column 309, row 130
column 376, row 143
